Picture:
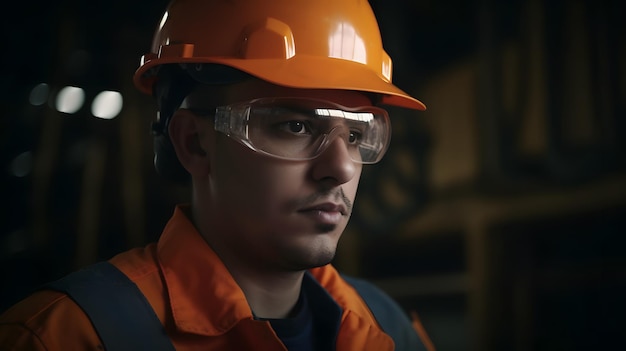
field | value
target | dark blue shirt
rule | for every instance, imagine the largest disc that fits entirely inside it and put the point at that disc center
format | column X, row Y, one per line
column 314, row 324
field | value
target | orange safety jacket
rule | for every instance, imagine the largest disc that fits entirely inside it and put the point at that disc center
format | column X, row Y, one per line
column 195, row 298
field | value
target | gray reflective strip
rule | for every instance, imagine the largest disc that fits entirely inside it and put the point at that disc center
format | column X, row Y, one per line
column 119, row 312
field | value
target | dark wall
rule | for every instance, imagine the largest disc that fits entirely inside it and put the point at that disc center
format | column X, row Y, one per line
column 520, row 254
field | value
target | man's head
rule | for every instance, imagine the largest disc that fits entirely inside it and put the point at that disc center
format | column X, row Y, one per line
column 290, row 212
column 322, row 44
column 269, row 107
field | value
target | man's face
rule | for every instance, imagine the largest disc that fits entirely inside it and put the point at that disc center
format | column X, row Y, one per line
column 284, row 215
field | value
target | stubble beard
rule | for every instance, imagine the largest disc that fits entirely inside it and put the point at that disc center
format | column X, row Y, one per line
column 314, row 257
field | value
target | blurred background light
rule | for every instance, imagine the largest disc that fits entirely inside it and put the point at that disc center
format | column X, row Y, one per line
column 70, row 99
column 22, row 164
column 107, row 104
column 39, row 94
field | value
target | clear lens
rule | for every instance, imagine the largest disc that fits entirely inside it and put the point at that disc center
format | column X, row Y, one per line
column 301, row 129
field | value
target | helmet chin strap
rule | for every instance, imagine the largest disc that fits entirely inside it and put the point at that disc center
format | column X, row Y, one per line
column 169, row 91
column 175, row 83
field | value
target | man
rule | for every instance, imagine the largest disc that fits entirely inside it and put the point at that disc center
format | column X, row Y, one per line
column 269, row 109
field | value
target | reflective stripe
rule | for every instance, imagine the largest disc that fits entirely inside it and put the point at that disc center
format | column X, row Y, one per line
column 119, row 312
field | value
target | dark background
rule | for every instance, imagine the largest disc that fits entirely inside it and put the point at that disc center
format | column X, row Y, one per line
column 499, row 214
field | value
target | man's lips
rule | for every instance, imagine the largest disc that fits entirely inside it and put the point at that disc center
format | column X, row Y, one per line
column 326, row 213
column 328, row 207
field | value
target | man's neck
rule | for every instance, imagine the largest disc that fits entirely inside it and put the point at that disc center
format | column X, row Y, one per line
column 270, row 295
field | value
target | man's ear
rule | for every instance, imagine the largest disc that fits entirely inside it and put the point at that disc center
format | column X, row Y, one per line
column 190, row 135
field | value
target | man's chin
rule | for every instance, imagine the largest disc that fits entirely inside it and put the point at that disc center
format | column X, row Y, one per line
column 325, row 228
column 313, row 259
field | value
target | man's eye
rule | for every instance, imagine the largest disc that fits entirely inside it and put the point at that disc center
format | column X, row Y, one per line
column 355, row 137
column 295, row 127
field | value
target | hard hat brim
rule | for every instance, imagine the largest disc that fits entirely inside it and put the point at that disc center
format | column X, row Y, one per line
column 296, row 72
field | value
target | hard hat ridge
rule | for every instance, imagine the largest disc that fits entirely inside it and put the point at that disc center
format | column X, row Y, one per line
column 325, row 44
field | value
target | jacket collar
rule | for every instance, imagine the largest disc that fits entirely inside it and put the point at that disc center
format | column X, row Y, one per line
column 204, row 297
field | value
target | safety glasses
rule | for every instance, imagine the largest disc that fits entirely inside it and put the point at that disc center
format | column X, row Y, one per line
column 300, row 129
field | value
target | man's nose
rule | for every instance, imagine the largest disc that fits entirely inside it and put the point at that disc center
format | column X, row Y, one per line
column 335, row 162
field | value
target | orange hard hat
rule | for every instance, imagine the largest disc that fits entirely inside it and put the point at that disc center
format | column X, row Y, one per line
column 321, row 44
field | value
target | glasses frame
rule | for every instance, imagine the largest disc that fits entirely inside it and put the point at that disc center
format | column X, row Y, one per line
column 232, row 121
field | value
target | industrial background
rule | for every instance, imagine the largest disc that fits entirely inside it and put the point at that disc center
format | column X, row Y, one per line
column 499, row 214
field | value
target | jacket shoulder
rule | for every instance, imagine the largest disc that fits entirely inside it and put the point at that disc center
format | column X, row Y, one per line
column 368, row 300
column 46, row 320
column 388, row 313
